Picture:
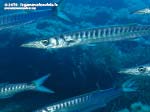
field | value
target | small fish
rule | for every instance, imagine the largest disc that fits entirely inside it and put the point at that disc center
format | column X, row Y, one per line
column 91, row 36
column 17, row 19
column 8, row 90
column 90, row 101
column 142, row 11
column 143, row 70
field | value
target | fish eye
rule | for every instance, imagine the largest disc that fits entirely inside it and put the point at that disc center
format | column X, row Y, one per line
column 45, row 42
column 142, row 69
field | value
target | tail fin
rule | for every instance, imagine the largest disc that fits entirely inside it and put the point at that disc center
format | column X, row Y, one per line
column 129, row 86
column 59, row 12
column 38, row 83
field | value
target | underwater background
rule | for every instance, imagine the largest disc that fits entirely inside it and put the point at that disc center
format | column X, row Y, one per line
column 75, row 70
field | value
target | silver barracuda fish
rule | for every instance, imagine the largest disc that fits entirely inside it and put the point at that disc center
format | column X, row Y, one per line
column 142, row 11
column 17, row 19
column 142, row 70
column 90, row 101
column 90, row 36
column 8, row 90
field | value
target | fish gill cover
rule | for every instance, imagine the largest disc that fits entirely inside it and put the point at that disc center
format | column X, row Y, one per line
column 77, row 70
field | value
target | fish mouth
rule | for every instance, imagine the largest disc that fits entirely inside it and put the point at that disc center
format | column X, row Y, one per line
column 124, row 71
column 28, row 45
column 33, row 45
column 120, row 72
column 129, row 71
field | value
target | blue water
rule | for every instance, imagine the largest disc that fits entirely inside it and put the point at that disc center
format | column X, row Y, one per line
column 76, row 70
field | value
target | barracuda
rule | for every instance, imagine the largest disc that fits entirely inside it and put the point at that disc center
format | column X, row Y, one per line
column 89, row 36
column 90, row 101
column 142, row 11
column 17, row 19
column 9, row 90
column 142, row 70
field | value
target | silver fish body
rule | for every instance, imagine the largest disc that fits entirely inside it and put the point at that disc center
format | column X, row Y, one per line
column 9, row 90
column 83, row 103
column 142, row 70
column 90, row 101
column 142, row 11
column 89, row 36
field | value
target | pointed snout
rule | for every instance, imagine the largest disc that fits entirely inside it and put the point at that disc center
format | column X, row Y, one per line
column 26, row 45
column 123, row 71
column 130, row 71
column 34, row 44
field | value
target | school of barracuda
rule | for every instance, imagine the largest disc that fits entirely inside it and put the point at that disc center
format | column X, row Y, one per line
column 90, row 101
